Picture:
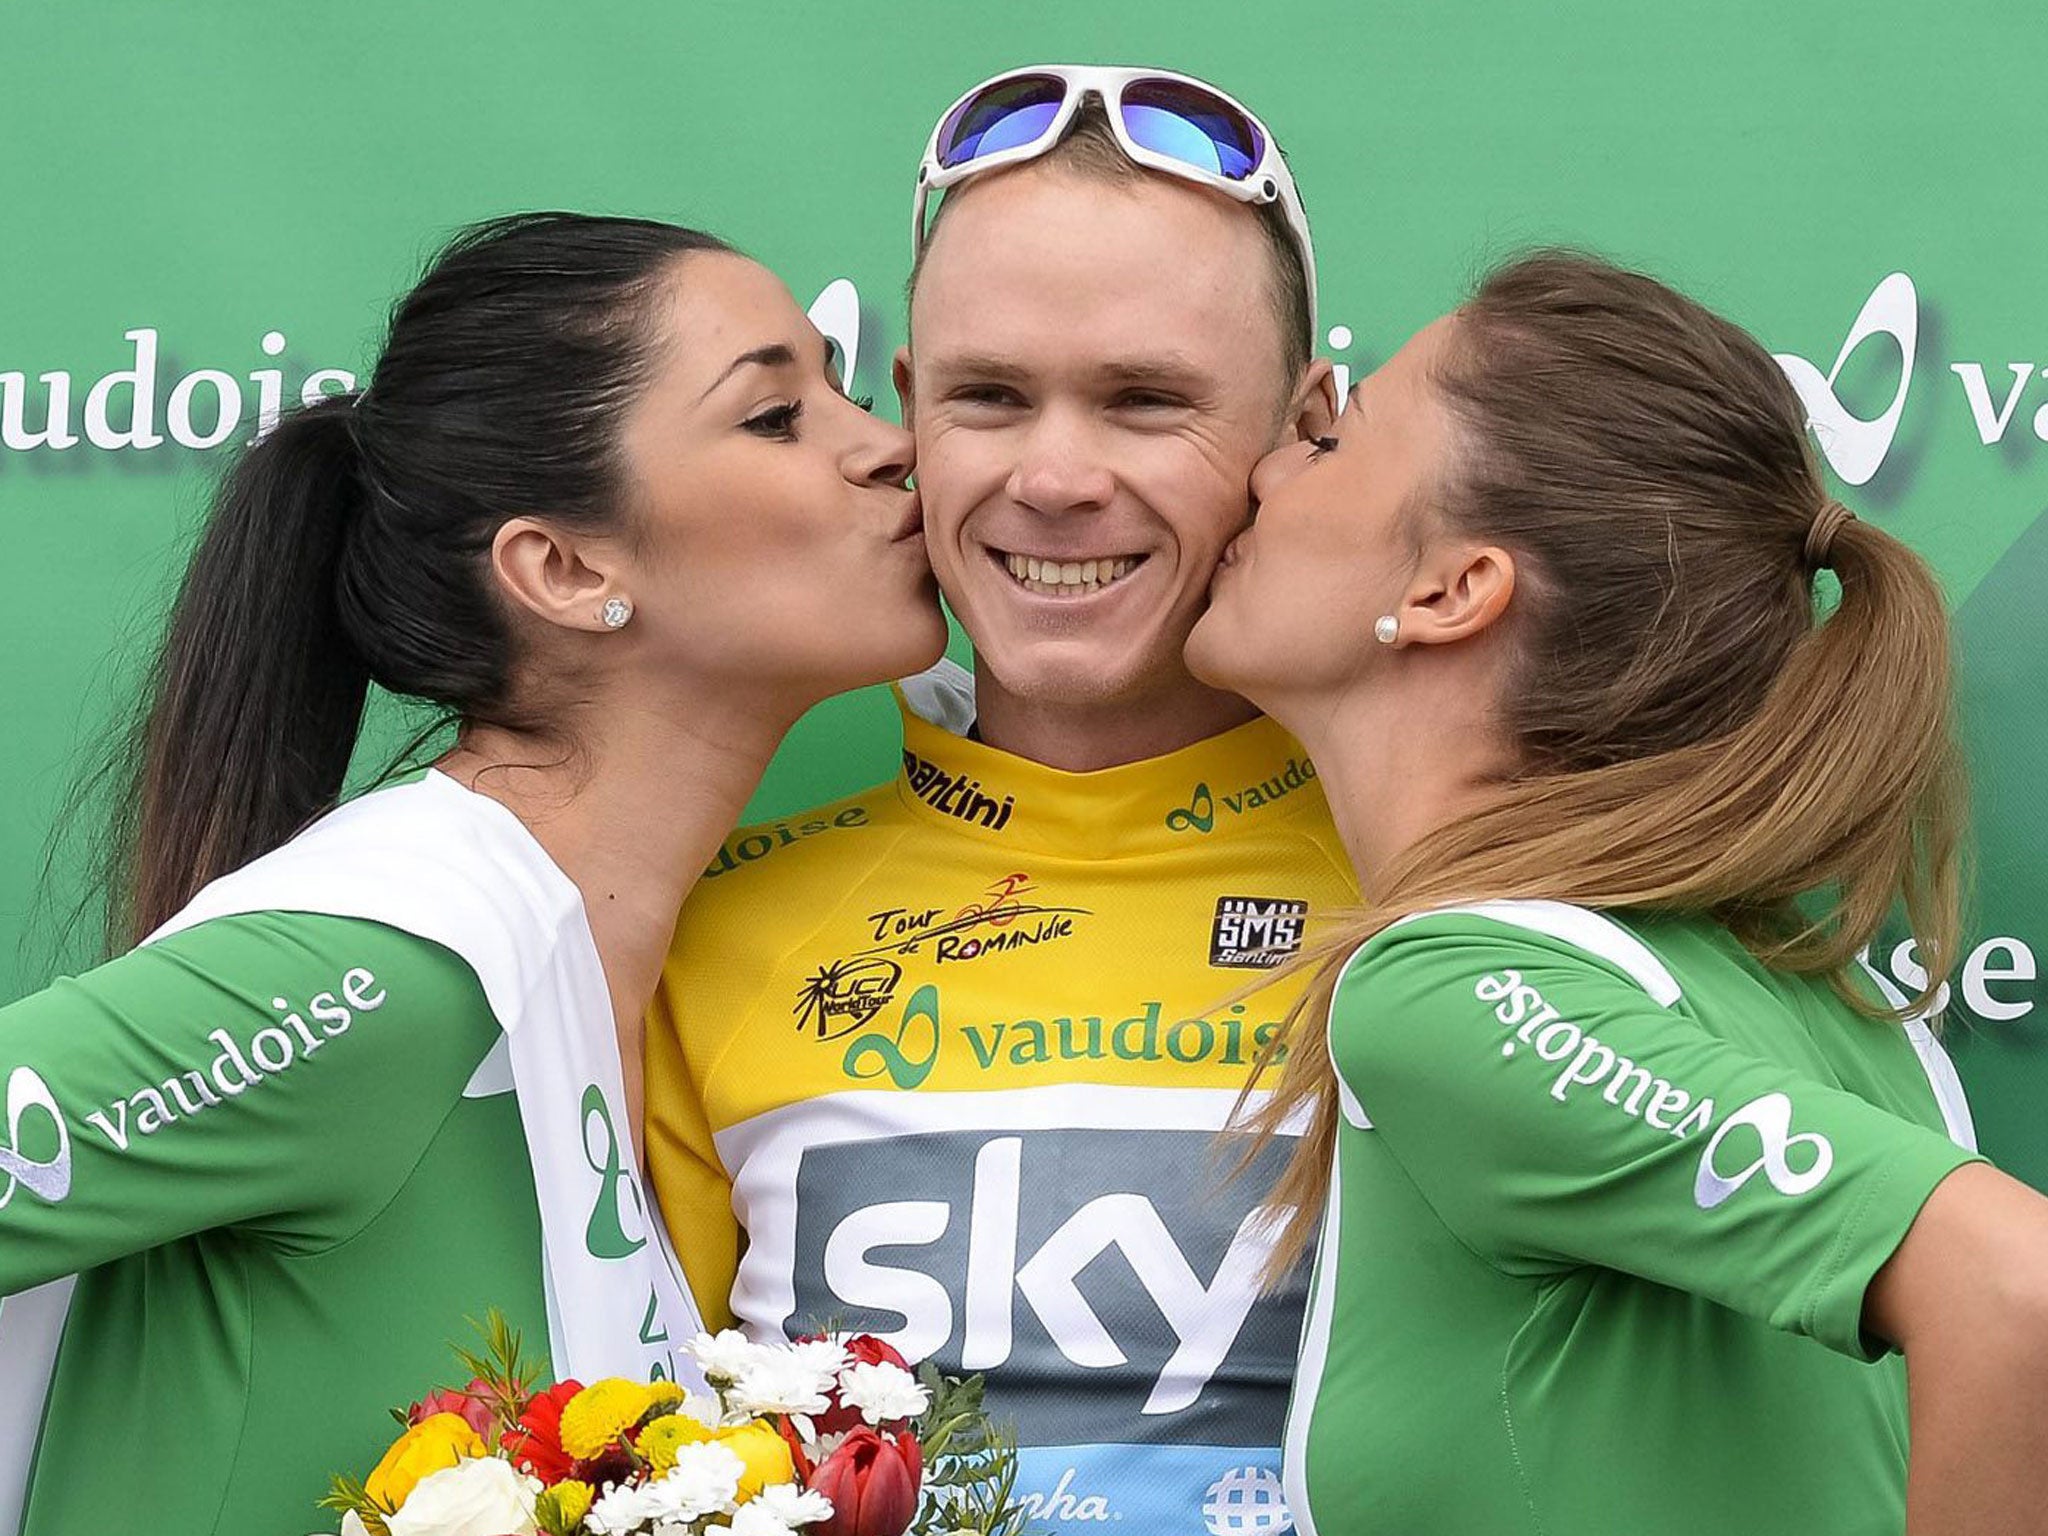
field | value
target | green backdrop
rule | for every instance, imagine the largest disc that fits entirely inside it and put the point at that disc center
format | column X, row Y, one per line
column 208, row 194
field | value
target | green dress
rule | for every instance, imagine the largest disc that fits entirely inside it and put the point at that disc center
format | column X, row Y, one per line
column 1607, row 1198
column 355, row 1095
column 281, row 1216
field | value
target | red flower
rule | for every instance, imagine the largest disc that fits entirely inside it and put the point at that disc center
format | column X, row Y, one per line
column 472, row 1404
column 536, row 1444
column 795, row 1442
column 863, row 1349
column 872, row 1481
column 869, row 1350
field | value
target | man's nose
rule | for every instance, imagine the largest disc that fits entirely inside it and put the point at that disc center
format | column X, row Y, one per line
column 1279, row 467
column 1060, row 467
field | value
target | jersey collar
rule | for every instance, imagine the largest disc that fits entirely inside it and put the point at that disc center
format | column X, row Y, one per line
column 1243, row 779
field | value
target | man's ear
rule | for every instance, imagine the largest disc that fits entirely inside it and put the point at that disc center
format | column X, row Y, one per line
column 906, row 387
column 555, row 577
column 1458, row 591
column 1312, row 411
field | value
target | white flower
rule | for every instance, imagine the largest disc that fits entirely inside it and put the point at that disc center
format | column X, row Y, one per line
column 882, row 1392
column 827, row 1356
column 479, row 1497
column 620, row 1511
column 793, row 1505
column 726, row 1355
column 781, row 1510
column 704, row 1481
column 777, row 1381
column 352, row 1525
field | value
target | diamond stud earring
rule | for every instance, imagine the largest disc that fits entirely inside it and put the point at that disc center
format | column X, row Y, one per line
column 1387, row 630
column 615, row 612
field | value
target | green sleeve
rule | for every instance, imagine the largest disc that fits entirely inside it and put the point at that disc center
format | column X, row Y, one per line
column 276, row 1072
column 1554, row 1115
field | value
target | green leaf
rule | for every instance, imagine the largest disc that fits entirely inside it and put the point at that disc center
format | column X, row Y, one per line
column 348, row 1493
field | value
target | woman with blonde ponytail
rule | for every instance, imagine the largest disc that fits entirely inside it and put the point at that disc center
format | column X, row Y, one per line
column 1632, row 1179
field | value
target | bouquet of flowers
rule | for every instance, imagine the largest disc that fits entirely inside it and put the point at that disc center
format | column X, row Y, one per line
column 826, row 1436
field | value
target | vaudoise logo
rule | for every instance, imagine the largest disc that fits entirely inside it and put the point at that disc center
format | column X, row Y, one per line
column 1855, row 446
column 136, row 408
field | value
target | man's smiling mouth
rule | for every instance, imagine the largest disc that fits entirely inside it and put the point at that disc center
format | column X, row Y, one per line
column 1067, row 578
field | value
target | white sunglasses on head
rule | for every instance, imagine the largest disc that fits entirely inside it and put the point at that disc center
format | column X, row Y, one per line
column 1166, row 122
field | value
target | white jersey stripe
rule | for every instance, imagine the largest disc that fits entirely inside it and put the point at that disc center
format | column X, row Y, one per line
column 1589, row 930
column 1934, row 1061
column 1314, row 1357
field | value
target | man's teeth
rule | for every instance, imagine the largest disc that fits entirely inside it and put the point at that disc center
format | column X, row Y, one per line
column 1070, row 578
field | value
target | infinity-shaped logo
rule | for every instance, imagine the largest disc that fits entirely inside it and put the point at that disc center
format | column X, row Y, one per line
column 1771, row 1118
column 51, row 1180
column 605, row 1234
column 1855, row 447
column 919, row 1031
column 1200, row 816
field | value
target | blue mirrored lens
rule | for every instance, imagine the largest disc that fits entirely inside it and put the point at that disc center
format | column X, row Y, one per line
column 1193, row 127
column 1002, row 117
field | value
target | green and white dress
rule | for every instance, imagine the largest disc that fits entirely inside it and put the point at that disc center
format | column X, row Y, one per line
column 356, row 1093
column 1607, row 1198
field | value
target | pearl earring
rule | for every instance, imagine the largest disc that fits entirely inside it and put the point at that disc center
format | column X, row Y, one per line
column 1387, row 630
column 615, row 612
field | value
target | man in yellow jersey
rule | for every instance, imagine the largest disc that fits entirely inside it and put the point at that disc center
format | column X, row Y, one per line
column 954, row 1051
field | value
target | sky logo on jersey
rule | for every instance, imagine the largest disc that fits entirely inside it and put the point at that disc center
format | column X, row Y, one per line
column 1771, row 1118
column 30, row 1102
column 1110, row 1259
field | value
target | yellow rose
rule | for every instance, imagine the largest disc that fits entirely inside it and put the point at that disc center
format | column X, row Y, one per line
column 437, row 1441
column 763, row 1450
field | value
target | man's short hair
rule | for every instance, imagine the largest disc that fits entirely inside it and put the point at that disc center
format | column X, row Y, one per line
column 1089, row 149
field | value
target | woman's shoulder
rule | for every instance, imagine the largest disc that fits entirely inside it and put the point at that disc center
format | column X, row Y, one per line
column 1451, row 940
column 429, row 859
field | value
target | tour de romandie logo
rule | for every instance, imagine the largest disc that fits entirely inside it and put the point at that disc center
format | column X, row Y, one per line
column 1012, row 913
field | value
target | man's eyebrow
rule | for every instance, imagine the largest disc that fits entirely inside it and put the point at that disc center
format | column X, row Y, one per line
column 776, row 354
column 979, row 365
column 1172, row 368
column 1161, row 368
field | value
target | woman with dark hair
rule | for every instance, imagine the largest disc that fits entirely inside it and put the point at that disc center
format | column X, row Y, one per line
column 373, row 1070
column 1630, row 1183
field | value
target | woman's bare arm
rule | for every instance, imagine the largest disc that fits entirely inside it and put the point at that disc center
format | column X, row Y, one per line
column 1966, row 1298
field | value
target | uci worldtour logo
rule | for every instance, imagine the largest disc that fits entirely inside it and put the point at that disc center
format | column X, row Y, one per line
column 1855, row 446
column 29, row 1101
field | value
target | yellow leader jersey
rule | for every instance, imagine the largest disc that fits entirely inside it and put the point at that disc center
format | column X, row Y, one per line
column 955, row 1051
